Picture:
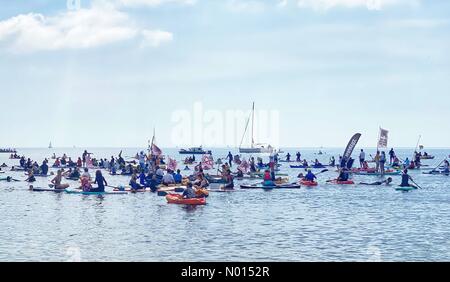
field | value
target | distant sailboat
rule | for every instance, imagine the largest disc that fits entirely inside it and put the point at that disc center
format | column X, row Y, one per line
column 254, row 148
column 50, row 145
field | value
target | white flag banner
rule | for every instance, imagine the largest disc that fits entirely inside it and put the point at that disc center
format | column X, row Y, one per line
column 383, row 140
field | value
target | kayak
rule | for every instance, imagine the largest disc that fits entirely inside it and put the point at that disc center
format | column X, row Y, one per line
column 427, row 157
column 260, row 186
column 348, row 182
column 96, row 193
column 179, row 200
column 437, row 172
column 405, row 189
column 308, row 183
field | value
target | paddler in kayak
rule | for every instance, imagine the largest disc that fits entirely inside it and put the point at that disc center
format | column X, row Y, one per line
column 310, row 176
column 100, row 181
column 189, row 192
column 343, row 175
column 317, row 163
column 378, row 183
column 305, row 163
column 405, row 180
column 57, row 181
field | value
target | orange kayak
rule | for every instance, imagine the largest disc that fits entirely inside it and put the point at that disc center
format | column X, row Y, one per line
column 179, row 200
column 308, row 183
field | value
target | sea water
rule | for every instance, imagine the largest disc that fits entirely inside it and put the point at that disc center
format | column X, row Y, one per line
column 326, row 223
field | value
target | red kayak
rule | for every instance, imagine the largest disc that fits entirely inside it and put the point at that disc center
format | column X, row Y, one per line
column 348, row 182
column 179, row 200
column 308, row 183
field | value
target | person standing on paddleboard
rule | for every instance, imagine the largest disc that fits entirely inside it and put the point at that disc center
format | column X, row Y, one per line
column 382, row 162
column 391, row 156
column 362, row 158
column 377, row 161
column 299, row 157
column 230, row 159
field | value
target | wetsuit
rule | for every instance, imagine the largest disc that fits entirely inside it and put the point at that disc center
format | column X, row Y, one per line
column 189, row 193
column 101, row 182
column 405, row 181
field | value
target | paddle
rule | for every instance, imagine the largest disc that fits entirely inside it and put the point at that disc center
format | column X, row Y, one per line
column 323, row 171
column 418, row 186
column 435, row 169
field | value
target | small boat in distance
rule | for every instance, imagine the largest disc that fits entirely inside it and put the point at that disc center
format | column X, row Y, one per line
column 255, row 148
column 8, row 150
column 194, row 151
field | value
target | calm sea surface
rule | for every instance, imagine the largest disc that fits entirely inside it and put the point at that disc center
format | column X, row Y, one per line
column 327, row 223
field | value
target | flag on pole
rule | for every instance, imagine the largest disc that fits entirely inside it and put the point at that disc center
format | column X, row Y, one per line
column 152, row 148
column 383, row 139
column 244, row 166
column 207, row 162
column 172, row 164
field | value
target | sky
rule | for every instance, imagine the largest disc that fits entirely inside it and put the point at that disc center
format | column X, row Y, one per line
column 105, row 73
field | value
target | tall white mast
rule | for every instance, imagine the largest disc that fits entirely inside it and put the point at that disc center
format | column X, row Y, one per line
column 253, row 123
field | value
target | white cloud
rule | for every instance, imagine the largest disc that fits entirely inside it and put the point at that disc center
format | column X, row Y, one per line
column 80, row 29
column 282, row 3
column 369, row 4
column 154, row 38
column 134, row 3
column 245, row 6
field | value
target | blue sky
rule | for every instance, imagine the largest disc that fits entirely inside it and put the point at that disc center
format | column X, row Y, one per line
column 106, row 74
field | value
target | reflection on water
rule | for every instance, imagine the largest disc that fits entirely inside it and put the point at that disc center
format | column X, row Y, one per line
column 327, row 223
